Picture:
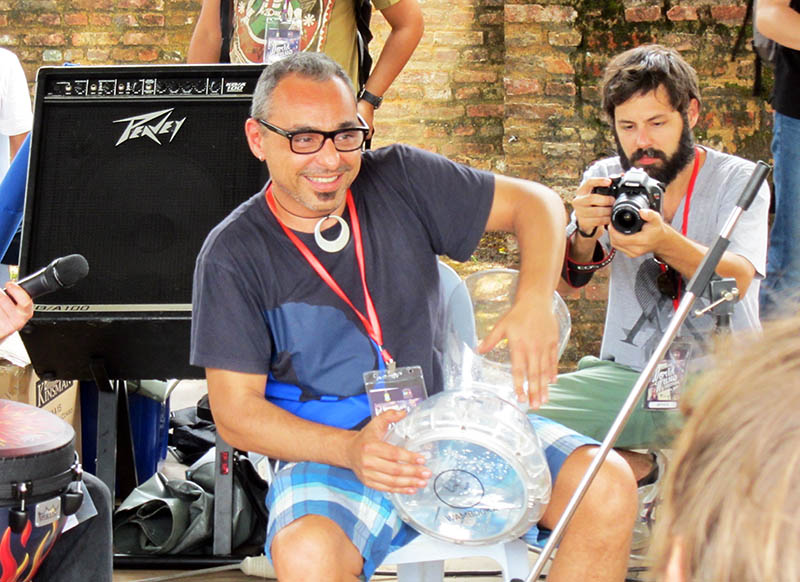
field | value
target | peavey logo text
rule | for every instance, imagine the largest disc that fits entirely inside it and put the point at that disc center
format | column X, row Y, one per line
column 141, row 126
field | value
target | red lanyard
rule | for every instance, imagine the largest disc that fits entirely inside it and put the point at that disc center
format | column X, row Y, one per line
column 372, row 325
column 685, row 224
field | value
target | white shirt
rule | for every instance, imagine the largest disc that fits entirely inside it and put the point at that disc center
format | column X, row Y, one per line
column 15, row 104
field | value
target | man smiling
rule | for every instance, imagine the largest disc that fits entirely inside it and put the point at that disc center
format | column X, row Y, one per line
column 652, row 99
column 331, row 272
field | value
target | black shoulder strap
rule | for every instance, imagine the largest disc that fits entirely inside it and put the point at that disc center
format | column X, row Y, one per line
column 226, row 25
column 363, row 15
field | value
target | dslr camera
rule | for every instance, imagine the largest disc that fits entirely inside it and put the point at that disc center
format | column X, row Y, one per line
column 633, row 191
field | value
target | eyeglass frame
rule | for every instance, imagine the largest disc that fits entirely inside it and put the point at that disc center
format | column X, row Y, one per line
column 326, row 135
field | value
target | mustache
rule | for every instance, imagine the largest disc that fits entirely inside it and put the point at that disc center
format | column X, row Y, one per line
column 648, row 153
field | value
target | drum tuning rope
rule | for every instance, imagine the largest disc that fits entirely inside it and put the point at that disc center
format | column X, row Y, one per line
column 251, row 566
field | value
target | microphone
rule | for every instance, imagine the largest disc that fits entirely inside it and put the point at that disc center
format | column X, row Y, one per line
column 62, row 272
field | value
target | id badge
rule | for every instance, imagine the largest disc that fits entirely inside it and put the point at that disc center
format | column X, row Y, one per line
column 664, row 389
column 282, row 40
column 398, row 389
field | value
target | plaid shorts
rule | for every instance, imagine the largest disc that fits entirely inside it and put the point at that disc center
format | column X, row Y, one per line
column 367, row 516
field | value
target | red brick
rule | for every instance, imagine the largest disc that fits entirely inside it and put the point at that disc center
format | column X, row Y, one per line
column 148, row 55
column 100, row 20
column 643, row 13
column 54, row 39
column 94, row 38
column 680, row 13
column 484, row 110
column 76, row 19
column 522, row 86
column 142, row 38
column 729, row 14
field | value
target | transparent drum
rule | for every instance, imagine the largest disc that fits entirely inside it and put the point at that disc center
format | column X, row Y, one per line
column 490, row 479
column 473, row 309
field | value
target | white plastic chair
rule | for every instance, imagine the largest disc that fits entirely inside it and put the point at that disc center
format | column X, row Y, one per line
column 422, row 560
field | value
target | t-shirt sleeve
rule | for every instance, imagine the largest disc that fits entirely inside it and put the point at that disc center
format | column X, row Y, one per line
column 15, row 104
column 228, row 329
column 451, row 200
column 750, row 235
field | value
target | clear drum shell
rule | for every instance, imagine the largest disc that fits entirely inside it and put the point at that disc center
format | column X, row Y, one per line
column 490, row 481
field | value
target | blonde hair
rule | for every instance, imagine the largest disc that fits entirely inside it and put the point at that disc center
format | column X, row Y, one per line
column 732, row 494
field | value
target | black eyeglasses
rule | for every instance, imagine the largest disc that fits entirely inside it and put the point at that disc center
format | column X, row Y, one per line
column 669, row 282
column 310, row 141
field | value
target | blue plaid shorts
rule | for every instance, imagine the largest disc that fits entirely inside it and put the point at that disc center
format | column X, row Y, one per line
column 367, row 517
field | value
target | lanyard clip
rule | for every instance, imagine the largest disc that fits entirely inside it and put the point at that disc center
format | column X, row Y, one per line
column 388, row 360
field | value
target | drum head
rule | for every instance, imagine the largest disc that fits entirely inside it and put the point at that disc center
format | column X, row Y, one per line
column 27, row 430
column 490, row 480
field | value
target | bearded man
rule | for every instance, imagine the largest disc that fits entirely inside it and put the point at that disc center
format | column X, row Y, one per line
column 652, row 100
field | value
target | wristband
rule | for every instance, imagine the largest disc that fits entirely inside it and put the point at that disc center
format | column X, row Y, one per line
column 373, row 100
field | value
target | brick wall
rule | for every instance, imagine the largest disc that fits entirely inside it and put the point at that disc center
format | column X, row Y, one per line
column 506, row 86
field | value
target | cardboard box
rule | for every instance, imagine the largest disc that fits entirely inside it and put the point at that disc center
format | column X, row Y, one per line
column 19, row 382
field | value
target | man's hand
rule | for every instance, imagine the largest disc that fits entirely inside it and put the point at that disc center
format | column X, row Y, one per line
column 16, row 308
column 592, row 209
column 382, row 466
column 650, row 239
column 532, row 332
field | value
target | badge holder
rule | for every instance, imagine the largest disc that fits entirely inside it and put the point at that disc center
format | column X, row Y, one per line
column 701, row 278
column 397, row 389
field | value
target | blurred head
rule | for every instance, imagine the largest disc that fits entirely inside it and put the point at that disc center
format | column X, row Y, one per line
column 651, row 97
column 306, row 92
column 730, row 506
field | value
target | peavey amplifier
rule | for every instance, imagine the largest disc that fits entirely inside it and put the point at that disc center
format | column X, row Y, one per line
column 130, row 166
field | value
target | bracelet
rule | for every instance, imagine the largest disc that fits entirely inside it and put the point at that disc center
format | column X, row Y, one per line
column 586, row 234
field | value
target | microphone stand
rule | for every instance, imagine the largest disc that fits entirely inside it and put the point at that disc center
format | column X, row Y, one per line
column 695, row 287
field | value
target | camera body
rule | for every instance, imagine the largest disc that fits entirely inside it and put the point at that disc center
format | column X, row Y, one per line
column 633, row 191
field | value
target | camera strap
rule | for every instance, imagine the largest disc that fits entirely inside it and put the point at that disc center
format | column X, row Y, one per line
column 685, row 224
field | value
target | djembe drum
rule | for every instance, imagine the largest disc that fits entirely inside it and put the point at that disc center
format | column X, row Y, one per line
column 38, row 467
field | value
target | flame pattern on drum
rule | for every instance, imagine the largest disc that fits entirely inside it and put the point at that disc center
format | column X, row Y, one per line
column 18, row 562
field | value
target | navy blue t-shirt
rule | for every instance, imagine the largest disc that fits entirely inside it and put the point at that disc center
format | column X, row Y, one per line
column 259, row 307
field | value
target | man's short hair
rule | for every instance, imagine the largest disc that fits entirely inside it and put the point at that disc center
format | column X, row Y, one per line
column 314, row 66
column 643, row 69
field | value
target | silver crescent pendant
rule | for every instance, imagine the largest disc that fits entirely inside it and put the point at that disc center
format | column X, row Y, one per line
column 337, row 244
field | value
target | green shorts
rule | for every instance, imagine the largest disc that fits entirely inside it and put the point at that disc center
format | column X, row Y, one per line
column 589, row 399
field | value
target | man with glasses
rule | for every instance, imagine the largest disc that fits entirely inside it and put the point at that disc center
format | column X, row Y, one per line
column 651, row 97
column 331, row 272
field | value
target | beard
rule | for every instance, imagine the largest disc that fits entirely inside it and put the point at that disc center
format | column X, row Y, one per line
column 671, row 166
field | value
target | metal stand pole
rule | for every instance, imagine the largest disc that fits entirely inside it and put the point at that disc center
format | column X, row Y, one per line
column 698, row 282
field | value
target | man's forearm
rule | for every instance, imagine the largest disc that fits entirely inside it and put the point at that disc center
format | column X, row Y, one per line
column 775, row 19
column 685, row 255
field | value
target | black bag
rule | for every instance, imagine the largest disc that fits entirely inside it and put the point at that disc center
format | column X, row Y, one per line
column 164, row 516
column 765, row 49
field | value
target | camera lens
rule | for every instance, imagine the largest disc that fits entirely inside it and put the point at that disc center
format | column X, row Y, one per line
column 625, row 215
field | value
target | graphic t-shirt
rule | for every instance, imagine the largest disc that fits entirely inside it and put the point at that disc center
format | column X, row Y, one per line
column 327, row 26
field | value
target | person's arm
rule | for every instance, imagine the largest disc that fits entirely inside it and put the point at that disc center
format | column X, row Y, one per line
column 16, row 308
column 206, row 39
column 776, row 20
column 535, row 214
column 678, row 251
column 15, row 142
column 407, row 26
column 247, row 421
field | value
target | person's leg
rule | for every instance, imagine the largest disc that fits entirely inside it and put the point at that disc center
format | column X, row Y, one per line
column 335, row 558
column 85, row 551
column 326, row 512
column 589, row 399
column 783, row 260
column 597, row 540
